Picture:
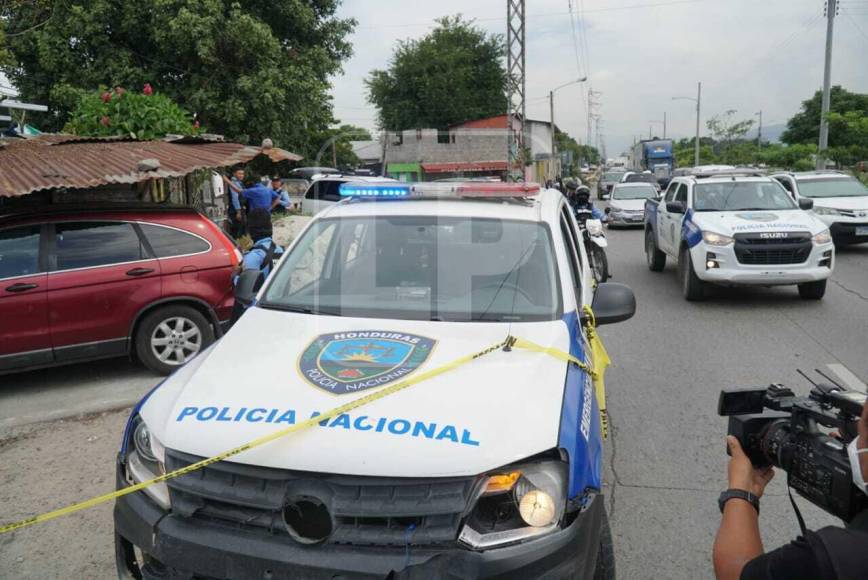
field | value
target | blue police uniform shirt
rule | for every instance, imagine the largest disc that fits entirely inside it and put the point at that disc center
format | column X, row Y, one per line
column 256, row 256
column 233, row 195
column 259, row 197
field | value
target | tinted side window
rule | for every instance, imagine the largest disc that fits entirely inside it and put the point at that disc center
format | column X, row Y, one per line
column 331, row 191
column 168, row 242
column 87, row 244
column 324, row 190
column 682, row 194
column 670, row 193
column 19, row 251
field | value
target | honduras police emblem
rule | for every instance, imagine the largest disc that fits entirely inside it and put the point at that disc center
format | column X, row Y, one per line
column 346, row 362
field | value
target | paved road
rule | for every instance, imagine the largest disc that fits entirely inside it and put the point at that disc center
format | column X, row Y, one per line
column 666, row 460
column 72, row 390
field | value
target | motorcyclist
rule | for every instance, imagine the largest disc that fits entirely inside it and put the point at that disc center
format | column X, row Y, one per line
column 580, row 198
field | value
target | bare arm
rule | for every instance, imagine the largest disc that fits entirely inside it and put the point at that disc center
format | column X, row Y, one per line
column 738, row 540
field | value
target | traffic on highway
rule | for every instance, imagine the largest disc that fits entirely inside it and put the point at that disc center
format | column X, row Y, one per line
column 305, row 290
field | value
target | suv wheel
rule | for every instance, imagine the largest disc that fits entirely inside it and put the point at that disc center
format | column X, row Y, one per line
column 656, row 258
column 812, row 290
column 170, row 336
column 691, row 286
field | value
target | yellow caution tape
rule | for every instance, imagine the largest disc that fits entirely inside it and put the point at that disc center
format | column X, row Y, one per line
column 345, row 408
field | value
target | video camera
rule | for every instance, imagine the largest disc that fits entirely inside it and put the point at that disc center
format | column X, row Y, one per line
column 775, row 427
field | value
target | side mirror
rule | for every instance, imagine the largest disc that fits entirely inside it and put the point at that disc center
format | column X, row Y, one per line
column 613, row 302
column 806, row 204
column 249, row 283
column 675, row 206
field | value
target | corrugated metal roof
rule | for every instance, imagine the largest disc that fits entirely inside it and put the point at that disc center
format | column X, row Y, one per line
column 64, row 161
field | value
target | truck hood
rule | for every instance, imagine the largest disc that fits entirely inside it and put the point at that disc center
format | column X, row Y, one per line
column 739, row 222
column 856, row 202
column 259, row 378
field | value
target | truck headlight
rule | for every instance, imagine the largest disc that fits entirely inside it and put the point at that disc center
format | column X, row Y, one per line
column 823, row 237
column 715, row 239
column 145, row 461
column 826, row 211
column 517, row 504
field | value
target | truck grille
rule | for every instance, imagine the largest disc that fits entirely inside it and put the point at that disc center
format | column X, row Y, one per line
column 757, row 250
column 365, row 510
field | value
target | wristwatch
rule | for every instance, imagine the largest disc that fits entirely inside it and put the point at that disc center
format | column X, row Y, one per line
column 740, row 494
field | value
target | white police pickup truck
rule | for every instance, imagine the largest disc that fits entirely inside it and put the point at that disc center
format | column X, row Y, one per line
column 737, row 228
column 492, row 469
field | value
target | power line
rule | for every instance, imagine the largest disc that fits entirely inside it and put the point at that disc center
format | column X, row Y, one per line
column 544, row 14
column 853, row 20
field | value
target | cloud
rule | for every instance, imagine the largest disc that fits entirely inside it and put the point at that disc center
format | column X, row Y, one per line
column 749, row 56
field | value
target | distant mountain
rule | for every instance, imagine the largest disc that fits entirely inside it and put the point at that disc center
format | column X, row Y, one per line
column 771, row 133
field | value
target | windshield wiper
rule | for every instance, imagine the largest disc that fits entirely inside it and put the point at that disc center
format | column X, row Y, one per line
column 293, row 308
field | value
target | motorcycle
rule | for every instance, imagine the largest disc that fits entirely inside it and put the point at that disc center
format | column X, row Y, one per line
column 595, row 243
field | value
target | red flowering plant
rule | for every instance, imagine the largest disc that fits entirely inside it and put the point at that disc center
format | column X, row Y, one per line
column 140, row 115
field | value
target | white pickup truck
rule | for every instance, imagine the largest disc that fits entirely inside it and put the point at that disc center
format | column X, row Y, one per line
column 737, row 228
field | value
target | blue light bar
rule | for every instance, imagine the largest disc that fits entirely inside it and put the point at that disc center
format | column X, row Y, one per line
column 369, row 190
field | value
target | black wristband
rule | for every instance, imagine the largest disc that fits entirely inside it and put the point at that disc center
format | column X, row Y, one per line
column 739, row 494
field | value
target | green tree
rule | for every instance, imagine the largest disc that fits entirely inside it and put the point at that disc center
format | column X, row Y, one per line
column 804, row 127
column 342, row 156
column 140, row 115
column 581, row 153
column 452, row 75
column 727, row 133
column 249, row 69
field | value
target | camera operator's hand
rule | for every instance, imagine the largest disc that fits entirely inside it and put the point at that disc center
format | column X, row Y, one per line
column 742, row 474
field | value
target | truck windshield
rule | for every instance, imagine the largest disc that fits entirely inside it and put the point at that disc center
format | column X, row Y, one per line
column 420, row 268
column 635, row 192
column 837, row 187
column 734, row 196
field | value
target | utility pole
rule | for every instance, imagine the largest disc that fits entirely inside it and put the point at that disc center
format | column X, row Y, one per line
column 696, row 146
column 515, row 71
column 831, row 11
column 759, row 132
column 552, row 120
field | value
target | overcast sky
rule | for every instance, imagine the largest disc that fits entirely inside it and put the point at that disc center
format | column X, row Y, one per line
column 748, row 54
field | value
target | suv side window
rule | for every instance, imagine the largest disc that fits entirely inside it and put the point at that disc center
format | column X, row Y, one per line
column 89, row 244
column 326, row 190
column 168, row 242
column 682, row 194
column 19, row 251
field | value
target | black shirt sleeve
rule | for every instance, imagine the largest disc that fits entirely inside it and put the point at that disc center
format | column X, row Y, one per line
column 794, row 561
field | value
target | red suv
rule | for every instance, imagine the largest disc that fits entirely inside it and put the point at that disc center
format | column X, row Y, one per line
column 82, row 285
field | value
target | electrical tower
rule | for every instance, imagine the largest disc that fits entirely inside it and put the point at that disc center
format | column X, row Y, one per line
column 515, row 27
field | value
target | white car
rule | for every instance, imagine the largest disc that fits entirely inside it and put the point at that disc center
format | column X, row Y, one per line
column 840, row 201
column 494, row 466
column 324, row 190
column 738, row 229
column 626, row 205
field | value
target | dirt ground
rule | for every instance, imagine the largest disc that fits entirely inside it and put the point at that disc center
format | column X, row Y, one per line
column 46, row 466
column 288, row 227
